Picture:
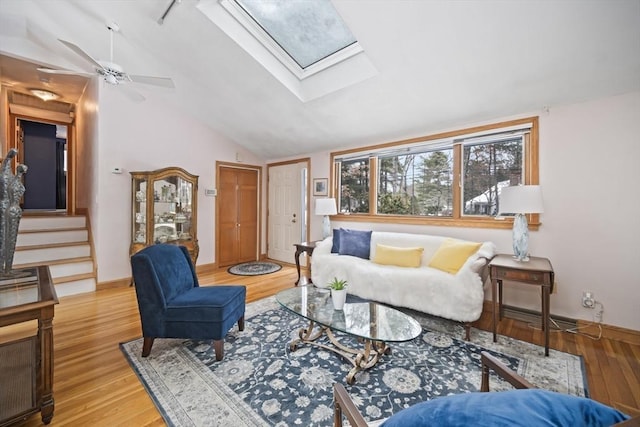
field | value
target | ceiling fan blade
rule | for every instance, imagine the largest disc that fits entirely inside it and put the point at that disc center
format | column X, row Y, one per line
column 130, row 93
column 81, row 52
column 156, row 81
column 66, row 72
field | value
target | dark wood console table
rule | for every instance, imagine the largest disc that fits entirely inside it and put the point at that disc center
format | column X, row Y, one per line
column 537, row 271
column 307, row 247
column 26, row 363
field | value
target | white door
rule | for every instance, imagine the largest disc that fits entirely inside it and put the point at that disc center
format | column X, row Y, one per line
column 286, row 214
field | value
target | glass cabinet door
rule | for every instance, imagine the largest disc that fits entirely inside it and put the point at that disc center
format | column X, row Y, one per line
column 164, row 209
column 172, row 209
column 139, row 220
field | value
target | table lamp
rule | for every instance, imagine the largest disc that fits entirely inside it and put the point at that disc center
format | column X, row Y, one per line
column 326, row 207
column 521, row 200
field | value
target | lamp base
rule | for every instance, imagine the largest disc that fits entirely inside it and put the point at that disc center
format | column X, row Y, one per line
column 520, row 238
column 326, row 227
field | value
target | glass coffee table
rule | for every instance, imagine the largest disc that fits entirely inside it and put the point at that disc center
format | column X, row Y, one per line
column 374, row 325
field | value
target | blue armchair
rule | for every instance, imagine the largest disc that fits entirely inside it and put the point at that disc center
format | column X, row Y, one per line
column 173, row 305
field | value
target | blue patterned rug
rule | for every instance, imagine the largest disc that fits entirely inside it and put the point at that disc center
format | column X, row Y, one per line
column 261, row 382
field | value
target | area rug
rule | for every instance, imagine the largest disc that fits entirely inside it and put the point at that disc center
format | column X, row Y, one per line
column 261, row 382
column 254, row 268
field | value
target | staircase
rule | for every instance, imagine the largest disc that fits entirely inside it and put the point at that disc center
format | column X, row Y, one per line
column 62, row 243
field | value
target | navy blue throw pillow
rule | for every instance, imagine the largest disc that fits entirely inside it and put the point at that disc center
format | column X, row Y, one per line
column 355, row 243
column 532, row 407
column 335, row 249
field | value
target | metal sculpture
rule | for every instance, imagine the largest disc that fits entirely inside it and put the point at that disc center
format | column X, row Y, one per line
column 11, row 191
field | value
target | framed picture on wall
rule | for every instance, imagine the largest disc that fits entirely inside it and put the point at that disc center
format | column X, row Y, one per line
column 320, row 186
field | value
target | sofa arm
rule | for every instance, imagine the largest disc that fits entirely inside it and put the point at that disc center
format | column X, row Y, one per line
column 481, row 267
column 323, row 247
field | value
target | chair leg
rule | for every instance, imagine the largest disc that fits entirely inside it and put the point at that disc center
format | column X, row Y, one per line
column 241, row 323
column 218, row 346
column 146, row 346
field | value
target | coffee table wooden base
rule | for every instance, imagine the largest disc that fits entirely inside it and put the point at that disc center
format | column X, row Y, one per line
column 361, row 359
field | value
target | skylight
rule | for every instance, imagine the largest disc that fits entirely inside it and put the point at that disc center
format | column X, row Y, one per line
column 308, row 31
column 304, row 44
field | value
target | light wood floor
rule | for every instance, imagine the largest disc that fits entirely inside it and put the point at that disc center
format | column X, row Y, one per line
column 94, row 384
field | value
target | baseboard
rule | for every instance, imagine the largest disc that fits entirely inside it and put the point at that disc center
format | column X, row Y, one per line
column 118, row 283
column 531, row 316
column 617, row 333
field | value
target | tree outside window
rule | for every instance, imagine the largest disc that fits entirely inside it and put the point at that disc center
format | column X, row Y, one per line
column 487, row 168
column 416, row 184
column 354, row 186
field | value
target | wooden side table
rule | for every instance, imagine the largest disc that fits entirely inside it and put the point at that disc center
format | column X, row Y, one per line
column 27, row 364
column 537, row 271
column 307, row 247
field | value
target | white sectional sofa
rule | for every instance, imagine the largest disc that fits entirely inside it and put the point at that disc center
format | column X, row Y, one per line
column 427, row 289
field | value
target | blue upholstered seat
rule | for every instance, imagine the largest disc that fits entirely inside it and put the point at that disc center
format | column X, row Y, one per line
column 173, row 305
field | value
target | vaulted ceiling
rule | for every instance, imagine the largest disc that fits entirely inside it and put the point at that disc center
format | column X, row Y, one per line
column 439, row 63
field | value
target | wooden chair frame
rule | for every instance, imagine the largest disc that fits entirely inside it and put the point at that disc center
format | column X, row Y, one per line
column 344, row 406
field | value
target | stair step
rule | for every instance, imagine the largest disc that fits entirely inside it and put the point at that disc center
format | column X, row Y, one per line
column 75, row 287
column 33, row 238
column 60, row 270
column 72, row 278
column 51, row 222
column 58, row 261
column 43, row 254
column 62, row 243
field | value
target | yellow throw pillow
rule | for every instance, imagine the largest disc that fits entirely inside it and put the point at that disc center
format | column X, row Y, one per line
column 452, row 254
column 401, row 257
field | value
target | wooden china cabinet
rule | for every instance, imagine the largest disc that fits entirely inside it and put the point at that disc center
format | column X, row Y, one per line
column 164, row 209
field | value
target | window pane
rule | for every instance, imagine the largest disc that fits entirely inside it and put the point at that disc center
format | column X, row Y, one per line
column 354, row 186
column 308, row 31
column 487, row 168
column 416, row 184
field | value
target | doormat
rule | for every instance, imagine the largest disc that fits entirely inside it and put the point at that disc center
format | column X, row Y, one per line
column 254, row 268
column 260, row 382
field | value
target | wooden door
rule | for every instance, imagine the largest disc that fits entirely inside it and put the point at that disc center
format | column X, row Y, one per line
column 237, row 216
column 247, row 215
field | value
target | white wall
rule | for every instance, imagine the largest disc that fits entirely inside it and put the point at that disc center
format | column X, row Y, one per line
column 85, row 157
column 589, row 154
column 148, row 136
column 85, row 148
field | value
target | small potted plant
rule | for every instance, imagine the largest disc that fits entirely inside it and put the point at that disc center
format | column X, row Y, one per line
column 338, row 292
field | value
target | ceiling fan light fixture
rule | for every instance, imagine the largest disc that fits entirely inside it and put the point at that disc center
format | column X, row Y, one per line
column 45, row 95
column 111, row 79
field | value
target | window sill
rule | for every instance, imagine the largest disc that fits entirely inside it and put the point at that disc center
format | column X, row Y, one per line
column 470, row 222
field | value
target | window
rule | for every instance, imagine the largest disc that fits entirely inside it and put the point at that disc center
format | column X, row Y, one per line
column 446, row 179
column 416, row 184
column 354, row 186
column 294, row 40
column 487, row 168
column 307, row 31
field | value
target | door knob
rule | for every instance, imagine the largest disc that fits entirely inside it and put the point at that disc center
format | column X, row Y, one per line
column 293, row 220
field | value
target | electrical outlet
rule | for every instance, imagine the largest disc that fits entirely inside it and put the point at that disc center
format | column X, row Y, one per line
column 588, row 301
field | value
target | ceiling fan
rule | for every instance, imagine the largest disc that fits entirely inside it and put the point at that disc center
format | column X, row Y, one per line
column 111, row 72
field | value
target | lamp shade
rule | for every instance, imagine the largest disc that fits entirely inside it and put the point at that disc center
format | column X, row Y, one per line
column 522, row 199
column 326, row 207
